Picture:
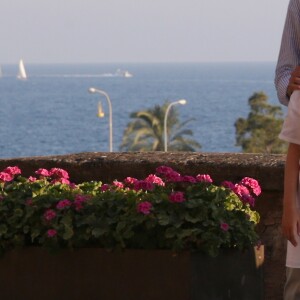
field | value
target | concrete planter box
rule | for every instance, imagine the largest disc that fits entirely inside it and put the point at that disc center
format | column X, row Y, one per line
column 92, row 273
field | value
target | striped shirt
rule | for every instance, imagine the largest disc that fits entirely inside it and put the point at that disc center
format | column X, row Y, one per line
column 289, row 54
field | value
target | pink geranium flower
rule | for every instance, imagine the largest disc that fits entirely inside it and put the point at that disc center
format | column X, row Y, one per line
column 59, row 173
column 169, row 174
column 252, row 184
column 63, row 204
column 43, row 172
column 244, row 194
column 6, row 177
column 49, row 214
column 143, row 185
column 51, row 233
column 224, row 226
column 31, row 179
column 12, row 170
column 79, row 200
column 164, row 170
column 228, row 184
column 177, row 197
column 130, row 180
column 204, row 178
column 29, row 202
column 144, row 207
column 61, row 180
column 173, row 176
column 105, row 187
column 118, row 184
column 155, row 179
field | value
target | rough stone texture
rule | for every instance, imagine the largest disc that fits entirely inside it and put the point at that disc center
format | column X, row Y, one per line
column 268, row 169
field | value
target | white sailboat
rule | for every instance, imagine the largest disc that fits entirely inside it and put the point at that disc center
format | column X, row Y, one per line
column 22, row 72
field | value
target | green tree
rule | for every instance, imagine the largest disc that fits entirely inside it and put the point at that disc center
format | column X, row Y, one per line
column 259, row 132
column 146, row 132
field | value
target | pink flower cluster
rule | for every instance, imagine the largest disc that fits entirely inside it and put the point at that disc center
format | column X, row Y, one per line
column 155, row 179
column 251, row 184
column 79, row 200
column 56, row 174
column 177, row 197
column 105, row 187
column 9, row 173
column 224, row 226
column 144, row 207
column 49, row 214
column 169, row 174
column 118, row 184
column 204, row 178
column 143, row 185
column 63, row 204
column 51, row 233
column 246, row 189
column 130, row 181
column 172, row 176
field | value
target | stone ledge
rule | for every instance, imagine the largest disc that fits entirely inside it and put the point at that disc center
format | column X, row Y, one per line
column 268, row 169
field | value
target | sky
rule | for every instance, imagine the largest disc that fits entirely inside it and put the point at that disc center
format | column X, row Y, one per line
column 140, row 31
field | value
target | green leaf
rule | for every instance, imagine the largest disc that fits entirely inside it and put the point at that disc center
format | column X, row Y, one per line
column 121, row 225
column 163, row 219
column 26, row 229
column 171, row 232
column 68, row 233
column 191, row 219
column 3, row 229
column 97, row 232
column 35, row 233
column 18, row 212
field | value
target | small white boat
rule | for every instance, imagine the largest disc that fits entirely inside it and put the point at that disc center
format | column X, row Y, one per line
column 22, row 72
column 127, row 74
column 120, row 73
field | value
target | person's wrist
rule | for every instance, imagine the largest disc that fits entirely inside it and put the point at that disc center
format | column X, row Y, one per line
column 288, row 92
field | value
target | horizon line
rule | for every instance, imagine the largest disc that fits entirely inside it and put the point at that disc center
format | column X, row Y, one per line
column 136, row 63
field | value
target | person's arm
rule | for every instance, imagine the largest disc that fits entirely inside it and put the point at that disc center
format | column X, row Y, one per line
column 291, row 215
column 289, row 55
column 294, row 82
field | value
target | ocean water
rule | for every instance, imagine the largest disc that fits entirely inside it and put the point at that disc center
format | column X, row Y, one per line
column 52, row 112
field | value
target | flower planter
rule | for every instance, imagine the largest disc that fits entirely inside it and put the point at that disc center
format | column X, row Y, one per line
column 93, row 273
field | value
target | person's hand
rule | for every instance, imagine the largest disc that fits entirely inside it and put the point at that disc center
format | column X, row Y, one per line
column 291, row 225
column 294, row 82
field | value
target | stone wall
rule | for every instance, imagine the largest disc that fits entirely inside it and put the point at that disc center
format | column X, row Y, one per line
column 267, row 169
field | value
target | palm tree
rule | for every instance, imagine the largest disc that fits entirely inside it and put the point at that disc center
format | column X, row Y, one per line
column 146, row 132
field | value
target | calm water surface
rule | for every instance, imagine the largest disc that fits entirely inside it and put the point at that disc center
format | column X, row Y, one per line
column 53, row 113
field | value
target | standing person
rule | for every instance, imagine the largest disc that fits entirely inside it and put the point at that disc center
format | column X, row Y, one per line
column 287, row 82
column 287, row 75
column 291, row 201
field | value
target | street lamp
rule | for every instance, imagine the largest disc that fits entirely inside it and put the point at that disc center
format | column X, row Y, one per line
column 182, row 102
column 94, row 91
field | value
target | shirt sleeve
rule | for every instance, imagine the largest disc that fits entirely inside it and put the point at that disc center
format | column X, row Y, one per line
column 289, row 54
column 290, row 131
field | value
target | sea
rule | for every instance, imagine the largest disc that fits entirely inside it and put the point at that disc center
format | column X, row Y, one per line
column 53, row 113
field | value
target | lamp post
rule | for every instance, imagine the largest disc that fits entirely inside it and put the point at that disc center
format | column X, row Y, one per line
column 182, row 102
column 94, row 91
